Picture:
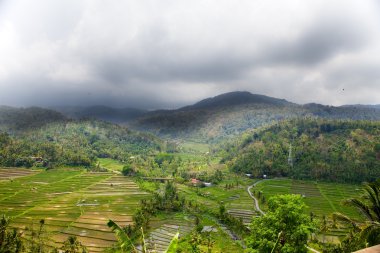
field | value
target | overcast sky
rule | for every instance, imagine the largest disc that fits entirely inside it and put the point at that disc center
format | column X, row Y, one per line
column 169, row 53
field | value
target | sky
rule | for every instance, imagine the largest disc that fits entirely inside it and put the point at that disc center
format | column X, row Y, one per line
column 169, row 53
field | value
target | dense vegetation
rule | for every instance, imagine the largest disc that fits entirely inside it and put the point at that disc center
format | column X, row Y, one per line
column 74, row 143
column 284, row 228
column 344, row 151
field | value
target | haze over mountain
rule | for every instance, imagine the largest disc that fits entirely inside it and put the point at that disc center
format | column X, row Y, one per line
column 231, row 113
column 233, row 99
column 102, row 112
column 16, row 119
column 210, row 119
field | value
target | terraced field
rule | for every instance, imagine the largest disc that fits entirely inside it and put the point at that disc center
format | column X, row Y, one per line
column 237, row 201
column 11, row 173
column 321, row 198
column 241, row 206
column 162, row 232
column 72, row 202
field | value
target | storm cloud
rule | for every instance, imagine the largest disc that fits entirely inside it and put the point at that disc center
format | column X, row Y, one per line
column 165, row 54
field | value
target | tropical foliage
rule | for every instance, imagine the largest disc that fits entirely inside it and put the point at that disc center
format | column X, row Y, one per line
column 345, row 151
column 74, row 143
column 284, row 228
column 367, row 233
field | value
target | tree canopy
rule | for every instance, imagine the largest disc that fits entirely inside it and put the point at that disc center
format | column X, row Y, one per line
column 284, row 223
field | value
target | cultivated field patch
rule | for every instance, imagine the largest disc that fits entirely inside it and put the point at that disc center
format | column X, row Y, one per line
column 322, row 198
column 72, row 202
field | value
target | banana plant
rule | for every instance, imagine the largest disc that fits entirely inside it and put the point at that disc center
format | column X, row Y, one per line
column 125, row 242
column 127, row 245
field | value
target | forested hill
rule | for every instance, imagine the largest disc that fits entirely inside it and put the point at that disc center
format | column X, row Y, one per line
column 235, row 98
column 230, row 114
column 19, row 119
column 210, row 120
column 364, row 106
column 75, row 143
column 333, row 150
column 115, row 115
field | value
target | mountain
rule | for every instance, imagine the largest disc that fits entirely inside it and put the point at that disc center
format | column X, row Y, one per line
column 115, row 115
column 343, row 112
column 18, row 119
column 234, row 99
column 218, row 117
column 232, row 113
column 208, row 120
column 364, row 106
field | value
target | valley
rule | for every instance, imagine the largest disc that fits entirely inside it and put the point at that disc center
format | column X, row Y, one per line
column 130, row 187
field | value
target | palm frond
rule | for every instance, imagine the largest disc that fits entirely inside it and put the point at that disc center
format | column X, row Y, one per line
column 345, row 219
column 373, row 191
column 123, row 238
column 363, row 207
column 371, row 232
column 173, row 244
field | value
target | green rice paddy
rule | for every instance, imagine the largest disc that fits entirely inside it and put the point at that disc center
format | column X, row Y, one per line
column 72, row 202
column 322, row 198
column 77, row 202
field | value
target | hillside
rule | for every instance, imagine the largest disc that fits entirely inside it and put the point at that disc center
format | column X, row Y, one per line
column 345, row 151
column 364, row 106
column 235, row 98
column 209, row 120
column 75, row 143
column 115, row 115
column 230, row 114
column 19, row 119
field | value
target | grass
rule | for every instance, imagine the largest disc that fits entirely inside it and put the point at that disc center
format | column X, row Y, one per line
column 194, row 147
column 111, row 164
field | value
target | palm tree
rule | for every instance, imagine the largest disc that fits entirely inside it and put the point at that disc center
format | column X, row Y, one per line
column 4, row 223
column 369, row 206
column 10, row 239
column 72, row 245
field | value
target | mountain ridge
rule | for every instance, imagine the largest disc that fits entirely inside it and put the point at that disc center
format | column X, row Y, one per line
column 210, row 119
column 235, row 98
column 102, row 112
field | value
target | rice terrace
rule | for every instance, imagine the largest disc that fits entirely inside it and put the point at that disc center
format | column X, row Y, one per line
column 71, row 203
column 77, row 202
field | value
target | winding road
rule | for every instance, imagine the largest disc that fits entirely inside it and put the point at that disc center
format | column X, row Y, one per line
column 257, row 206
column 254, row 198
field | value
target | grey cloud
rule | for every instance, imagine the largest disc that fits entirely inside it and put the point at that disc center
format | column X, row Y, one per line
column 318, row 43
column 138, row 53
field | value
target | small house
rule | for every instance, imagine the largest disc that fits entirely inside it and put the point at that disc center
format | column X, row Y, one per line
column 195, row 182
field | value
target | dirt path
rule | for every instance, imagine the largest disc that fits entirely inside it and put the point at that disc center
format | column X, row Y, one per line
column 254, row 198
